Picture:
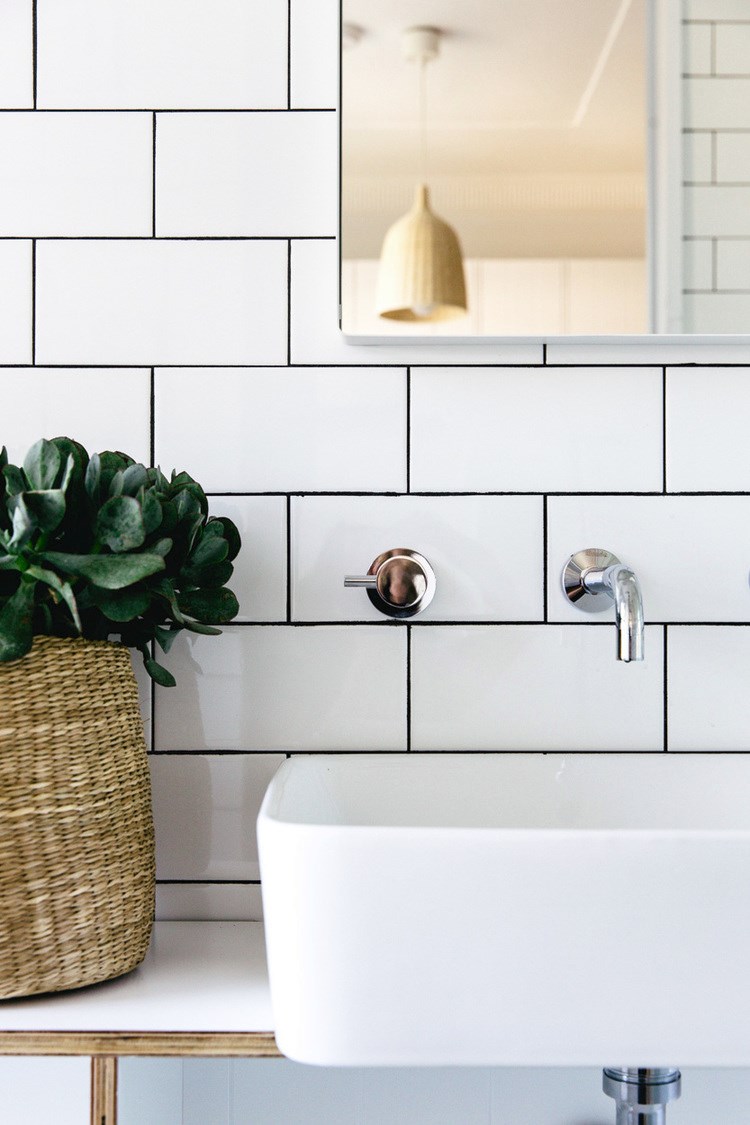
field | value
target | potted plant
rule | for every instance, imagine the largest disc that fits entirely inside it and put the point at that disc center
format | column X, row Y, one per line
column 98, row 554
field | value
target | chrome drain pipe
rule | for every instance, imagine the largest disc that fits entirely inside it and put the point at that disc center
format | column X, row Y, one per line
column 641, row 1093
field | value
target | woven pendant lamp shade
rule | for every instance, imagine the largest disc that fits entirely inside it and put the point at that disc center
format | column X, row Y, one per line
column 421, row 274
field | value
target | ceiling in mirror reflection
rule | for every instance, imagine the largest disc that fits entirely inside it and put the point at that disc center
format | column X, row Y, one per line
column 535, row 152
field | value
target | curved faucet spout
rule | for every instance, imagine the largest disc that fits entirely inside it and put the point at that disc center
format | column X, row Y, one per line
column 593, row 572
column 621, row 584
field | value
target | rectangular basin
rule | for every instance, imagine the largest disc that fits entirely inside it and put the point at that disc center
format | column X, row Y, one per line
column 509, row 909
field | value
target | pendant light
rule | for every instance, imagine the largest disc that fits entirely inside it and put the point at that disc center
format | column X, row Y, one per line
column 421, row 273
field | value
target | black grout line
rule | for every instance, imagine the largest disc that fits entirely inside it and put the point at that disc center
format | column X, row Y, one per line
column 545, row 610
column 152, row 417
column 34, row 50
column 204, row 109
column 289, row 303
column 408, row 430
column 153, row 176
column 454, row 622
column 573, row 751
column 180, row 238
column 289, row 55
column 664, row 428
column 289, row 559
column 544, row 355
column 666, row 689
column 408, row 688
column 208, row 882
column 33, row 302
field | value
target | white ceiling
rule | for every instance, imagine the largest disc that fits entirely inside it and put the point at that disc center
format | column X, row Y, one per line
column 522, row 88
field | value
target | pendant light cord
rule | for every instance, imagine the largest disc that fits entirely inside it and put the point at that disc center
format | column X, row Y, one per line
column 423, row 120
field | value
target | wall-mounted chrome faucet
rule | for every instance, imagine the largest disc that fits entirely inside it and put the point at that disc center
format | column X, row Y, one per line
column 589, row 574
column 400, row 582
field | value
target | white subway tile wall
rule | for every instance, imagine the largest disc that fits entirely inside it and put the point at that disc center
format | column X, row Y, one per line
column 716, row 136
column 168, row 286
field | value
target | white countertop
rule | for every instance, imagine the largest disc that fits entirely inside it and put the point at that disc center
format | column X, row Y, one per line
column 198, row 977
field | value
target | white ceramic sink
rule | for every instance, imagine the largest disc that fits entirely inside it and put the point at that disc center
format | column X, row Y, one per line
column 511, row 909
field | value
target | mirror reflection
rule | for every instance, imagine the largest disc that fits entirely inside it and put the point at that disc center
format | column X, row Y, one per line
column 494, row 167
column 498, row 178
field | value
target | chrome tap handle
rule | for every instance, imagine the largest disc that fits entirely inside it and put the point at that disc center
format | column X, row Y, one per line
column 367, row 581
column 400, row 582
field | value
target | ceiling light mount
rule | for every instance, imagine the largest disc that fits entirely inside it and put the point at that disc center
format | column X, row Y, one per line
column 420, row 44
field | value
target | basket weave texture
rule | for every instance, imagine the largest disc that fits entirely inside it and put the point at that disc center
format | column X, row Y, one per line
column 76, row 829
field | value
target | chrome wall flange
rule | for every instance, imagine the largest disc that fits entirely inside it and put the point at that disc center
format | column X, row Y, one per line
column 642, row 1093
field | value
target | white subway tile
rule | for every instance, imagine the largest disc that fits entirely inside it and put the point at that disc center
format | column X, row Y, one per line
column 286, row 688
column 484, row 429
column 696, row 48
column 205, row 808
column 15, row 301
column 259, row 578
column 288, row 429
column 733, row 157
column 217, row 902
column 698, row 263
column 102, row 409
column 316, row 338
column 525, row 687
column 707, row 412
column 162, row 302
column 16, row 54
column 718, row 312
column 697, row 158
column 733, row 263
column 246, row 174
column 709, row 705
column 675, row 545
column 75, row 174
column 464, row 538
column 161, row 54
column 717, row 210
column 733, row 48
column 716, row 103
column 314, row 54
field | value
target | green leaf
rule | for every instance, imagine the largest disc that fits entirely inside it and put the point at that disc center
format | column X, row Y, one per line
column 14, row 479
column 158, row 673
column 208, row 552
column 111, row 463
column 121, row 605
column 134, row 478
column 151, row 509
column 207, row 576
column 62, row 589
column 23, row 525
column 119, row 524
column 42, row 464
column 112, row 572
column 92, row 477
column 209, row 606
column 205, row 630
column 16, row 623
column 161, row 547
column 67, row 448
column 231, row 534
column 45, row 508
column 8, row 562
column 165, row 638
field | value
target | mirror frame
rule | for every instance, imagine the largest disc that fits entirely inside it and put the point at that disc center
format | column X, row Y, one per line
column 664, row 216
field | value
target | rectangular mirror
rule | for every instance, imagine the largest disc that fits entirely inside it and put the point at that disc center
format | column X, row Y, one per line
column 544, row 168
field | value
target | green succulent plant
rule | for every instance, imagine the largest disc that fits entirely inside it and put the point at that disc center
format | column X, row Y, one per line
column 101, row 546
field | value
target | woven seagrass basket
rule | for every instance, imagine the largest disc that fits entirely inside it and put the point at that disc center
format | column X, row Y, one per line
column 76, row 830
